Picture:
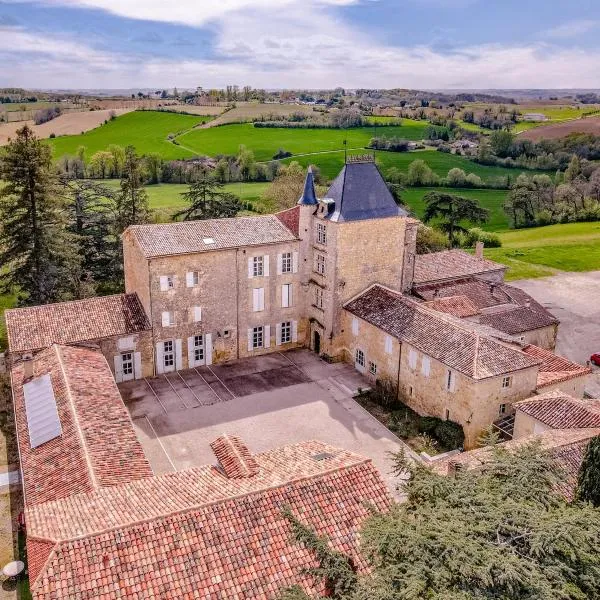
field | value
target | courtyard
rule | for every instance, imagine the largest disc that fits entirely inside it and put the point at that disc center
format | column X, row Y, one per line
column 268, row 401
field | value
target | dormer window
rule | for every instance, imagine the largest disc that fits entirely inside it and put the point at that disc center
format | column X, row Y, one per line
column 321, row 234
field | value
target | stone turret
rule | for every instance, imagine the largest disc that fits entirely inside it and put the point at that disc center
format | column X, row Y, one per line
column 309, row 195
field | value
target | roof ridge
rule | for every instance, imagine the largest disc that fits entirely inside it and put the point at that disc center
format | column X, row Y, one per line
column 71, row 302
column 77, row 425
column 195, row 506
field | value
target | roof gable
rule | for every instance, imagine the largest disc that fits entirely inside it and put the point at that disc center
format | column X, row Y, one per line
column 554, row 369
column 360, row 193
column 561, row 411
column 451, row 264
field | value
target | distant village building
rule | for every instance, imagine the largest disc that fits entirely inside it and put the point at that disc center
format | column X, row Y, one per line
column 535, row 117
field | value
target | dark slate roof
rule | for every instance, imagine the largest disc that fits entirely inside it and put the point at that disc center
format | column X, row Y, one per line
column 360, row 193
column 309, row 196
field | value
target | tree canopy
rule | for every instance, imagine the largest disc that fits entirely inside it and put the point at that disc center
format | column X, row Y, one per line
column 451, row 211
column 207, row 200
column 588, row 483
column 500, row 532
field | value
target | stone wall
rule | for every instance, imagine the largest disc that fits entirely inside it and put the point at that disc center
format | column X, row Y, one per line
column 526, row 425
column 545, row 337
column 138, row 342
column 137, row 272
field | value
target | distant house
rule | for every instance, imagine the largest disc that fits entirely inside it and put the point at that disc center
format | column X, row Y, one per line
column 535, row 117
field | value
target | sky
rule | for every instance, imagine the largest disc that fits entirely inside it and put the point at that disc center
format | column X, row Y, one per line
column 309, row 44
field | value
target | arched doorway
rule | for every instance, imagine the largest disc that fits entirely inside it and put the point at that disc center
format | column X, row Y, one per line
column 317, row 342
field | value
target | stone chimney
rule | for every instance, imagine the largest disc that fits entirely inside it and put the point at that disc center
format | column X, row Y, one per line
column 234, row 457
column 479, row 250
column 27, row 368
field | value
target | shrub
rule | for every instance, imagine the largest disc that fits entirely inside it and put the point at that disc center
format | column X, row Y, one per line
column 474, row 235
column 52, row 135
column 281, row 153
column 449, row 434
column 46, row 114
column 431, row 240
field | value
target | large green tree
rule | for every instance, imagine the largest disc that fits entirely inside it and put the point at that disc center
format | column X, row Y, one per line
column 39, row 257
column 206, row 199
column 499, row 532
column 132, row 199
column 451, row 211
column 588, row 483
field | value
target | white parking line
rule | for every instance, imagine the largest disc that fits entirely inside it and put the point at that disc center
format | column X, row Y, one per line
column 161, row 444
column 221, row 381
column 208, row 385
column 155, row 395
column 293, row 364
column 176, row 392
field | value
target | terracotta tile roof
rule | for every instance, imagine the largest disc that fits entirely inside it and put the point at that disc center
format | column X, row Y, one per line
column 561, row 411
column 291, row 219
column 459, row 306
column 190, row 237
column 98, row 446
column 453, row 344
column 519, row 320
column 451, row 264
column 567, row 446
column 200, row 534
column 554, row 368
column 483, row 294
column 234, row 457
column 90, row 319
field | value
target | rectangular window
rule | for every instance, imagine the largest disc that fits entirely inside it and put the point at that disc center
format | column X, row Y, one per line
column 388, row 344
column 127, row 363
column 318, row 297
column 354, row 326
column 506, row 382
column 258, row 266
column 258, row 337
column 320, row 264
column 447, row 414
column 450, row 381
column 425, row 366
column 321, row 234
column 286, row 262
column 372, row 368
column 198, row 348
column 286, row 332
column 167, row 282
column 502, row 409
column 258, row 299
column 286, row 295
column 411, row 391
column 360, row 357
column 168, row 354
column 197, row 314
column 192, row 279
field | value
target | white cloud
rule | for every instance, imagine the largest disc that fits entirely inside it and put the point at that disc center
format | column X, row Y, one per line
column 186, row 12
column 571, row 29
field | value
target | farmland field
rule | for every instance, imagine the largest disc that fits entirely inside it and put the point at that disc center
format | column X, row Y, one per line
column 562, row 129
column 146, row 130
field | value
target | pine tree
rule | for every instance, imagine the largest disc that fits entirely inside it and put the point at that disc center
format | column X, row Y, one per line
column 40, row 257
column 132, row 200
column 588, row 483
column 207, row 200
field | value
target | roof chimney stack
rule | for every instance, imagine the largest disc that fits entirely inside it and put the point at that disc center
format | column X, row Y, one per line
column 479, row 250
column 234, row 457
column 27, row 368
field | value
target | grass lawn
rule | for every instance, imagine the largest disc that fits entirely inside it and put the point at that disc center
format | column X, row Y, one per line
column 541, row 251
column 493, row 200
column 265, row 142
column 146, row 130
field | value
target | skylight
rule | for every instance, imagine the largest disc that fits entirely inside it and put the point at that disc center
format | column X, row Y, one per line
column 208, row 240
column 42, row 414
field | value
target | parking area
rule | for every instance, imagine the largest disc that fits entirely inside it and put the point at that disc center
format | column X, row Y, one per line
column 574, row 298
column 268, row 401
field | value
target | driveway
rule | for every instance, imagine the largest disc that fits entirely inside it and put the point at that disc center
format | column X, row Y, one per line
column 574, row 298
column 268, row 401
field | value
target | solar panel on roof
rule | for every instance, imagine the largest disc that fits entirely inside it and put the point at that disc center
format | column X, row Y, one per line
column 42, row 414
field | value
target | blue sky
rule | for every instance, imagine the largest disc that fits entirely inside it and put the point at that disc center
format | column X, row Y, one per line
column 300, row 43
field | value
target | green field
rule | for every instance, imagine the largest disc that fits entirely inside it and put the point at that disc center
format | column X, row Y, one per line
column 542, row 251
column 146, row 130
column 493, row 200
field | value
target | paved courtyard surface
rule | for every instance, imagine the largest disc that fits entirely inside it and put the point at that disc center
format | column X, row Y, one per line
column 574, row 298
column 268, row 401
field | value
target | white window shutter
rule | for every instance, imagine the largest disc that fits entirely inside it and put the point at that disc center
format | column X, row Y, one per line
column 279, row 264
column 189, row 279
column 266, row 265
column 261, row 299
column 294, row 331
column 250, row 268
column 137, row 365
column 118, row 368
column 191, row 359
column 388, row 344
column 250, row 347
column 160, row 362
column 425, row 366
column 412, row 359
column 267, row 336
column 285, row 295
column 166, row 318
column 197, row 314
column 278, row 334
column 164, row 283
column 290, row 295
column 208, row 349
column 354, row 326
column 178, row 355
column 295, row 262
